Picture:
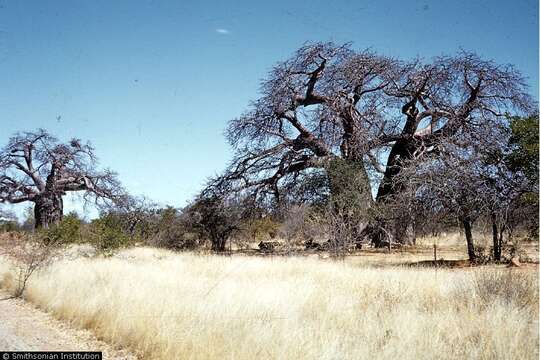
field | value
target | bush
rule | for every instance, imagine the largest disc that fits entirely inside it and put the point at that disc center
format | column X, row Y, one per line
column 510, row 287
column 260, row 229
column 172, row 231
column 294, row 222
column 68, row 231
column 107, row 233
column 214, row 216
column 487, row 287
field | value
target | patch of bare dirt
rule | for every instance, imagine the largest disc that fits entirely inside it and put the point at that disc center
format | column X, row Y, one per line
column 25, row 328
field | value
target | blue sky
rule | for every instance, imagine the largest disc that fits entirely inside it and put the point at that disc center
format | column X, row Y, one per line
column 152, row 84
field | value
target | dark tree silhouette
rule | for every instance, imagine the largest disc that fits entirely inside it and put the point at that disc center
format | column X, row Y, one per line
column 36, row 167
column 215, row 217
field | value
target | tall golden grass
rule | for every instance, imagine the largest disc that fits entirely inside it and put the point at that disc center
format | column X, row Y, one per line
column 164, row 305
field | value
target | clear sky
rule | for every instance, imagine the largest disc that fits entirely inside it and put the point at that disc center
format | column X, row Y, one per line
column 152, row 84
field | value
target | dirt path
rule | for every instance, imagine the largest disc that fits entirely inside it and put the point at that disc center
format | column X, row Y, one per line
column 25, row 328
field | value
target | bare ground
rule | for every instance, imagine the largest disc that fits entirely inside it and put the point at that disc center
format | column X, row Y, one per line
column 25, row 328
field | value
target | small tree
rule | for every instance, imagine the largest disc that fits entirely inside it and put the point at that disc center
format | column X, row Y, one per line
column 36, row 167
column 215, row 216
column 470, row 177
column 108, row 233
column 294, row 222
column 448, row 187
column 172, row 230
column 26, row 258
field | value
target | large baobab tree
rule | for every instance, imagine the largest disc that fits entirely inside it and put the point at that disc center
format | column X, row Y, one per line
column 36, row 167
column 331, row 102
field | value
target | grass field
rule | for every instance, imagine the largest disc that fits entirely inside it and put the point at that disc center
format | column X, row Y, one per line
column 164, row 305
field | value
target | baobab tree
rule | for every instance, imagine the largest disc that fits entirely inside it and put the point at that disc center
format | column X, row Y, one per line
column 36, row 167
column 330, row 102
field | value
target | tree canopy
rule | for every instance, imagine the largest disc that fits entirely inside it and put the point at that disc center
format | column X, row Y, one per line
column 331, row 102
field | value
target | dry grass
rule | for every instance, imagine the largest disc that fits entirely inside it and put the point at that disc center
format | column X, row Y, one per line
column 164, row 305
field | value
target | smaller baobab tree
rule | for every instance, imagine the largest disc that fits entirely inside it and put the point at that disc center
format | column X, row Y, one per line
column 36, row 167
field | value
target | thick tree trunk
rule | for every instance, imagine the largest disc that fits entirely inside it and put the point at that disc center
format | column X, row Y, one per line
column 389, row 186
column 48, row 209
column 402, row 230
column 467, row 226
column 350, row 200
column 401, row 151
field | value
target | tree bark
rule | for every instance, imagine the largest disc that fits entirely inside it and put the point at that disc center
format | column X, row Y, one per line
column 389, row 186
column 48, row 209
column 401, row 151
column 496, row 239
column 350, row 199
column 467, row 226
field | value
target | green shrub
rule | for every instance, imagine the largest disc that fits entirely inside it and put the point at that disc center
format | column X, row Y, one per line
column 171, row 231
column 107, row 233
column 261, row 229
column 68, row 231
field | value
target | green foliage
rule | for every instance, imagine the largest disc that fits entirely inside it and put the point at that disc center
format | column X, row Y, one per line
column 68, row 231
column 349, row 187
column 524, row 158
column 167, row 218
column 107, row 232
column 524, row 145
column 214, row 217
column 173, row 232
column 260, row 229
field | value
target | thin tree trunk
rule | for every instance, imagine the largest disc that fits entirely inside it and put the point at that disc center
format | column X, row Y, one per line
column 48, row 210
column 467, row 226
column 218, row 245
column 496, row 240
